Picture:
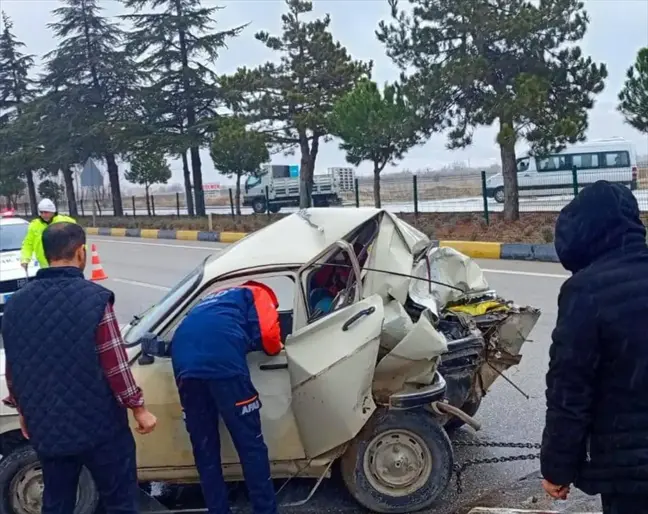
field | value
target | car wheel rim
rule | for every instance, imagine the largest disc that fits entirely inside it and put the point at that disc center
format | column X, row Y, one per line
column 26, row 490
column 499, row 196
column 397, row 463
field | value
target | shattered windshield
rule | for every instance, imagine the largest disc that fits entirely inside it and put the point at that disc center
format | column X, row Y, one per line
column 151, row 318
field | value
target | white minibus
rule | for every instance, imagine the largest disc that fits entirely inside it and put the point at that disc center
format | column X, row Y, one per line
column 614, row 160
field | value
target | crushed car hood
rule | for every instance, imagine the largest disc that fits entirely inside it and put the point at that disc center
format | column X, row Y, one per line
column 416, row 276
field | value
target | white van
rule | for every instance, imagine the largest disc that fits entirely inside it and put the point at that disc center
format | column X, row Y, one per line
column 614, row 160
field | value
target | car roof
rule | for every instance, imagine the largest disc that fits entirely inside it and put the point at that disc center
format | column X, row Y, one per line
column 298, row 238
column 13, row 221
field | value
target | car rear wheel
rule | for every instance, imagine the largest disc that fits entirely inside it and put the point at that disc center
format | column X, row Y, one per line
column 499, row 195
column 21, row 485
column 401, row 462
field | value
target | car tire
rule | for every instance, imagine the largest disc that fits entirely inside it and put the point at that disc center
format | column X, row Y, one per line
column 274, row 209
column 498, row 195
column 470, row 408
column 21, row 479
column 259, row 205
column 415, row 458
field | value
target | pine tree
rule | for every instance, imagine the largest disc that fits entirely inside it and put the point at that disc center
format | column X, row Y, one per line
column 91, row 70
column 162, row 124
column 515, row 63
column 376, row 126
column 176, row 38
column 633, row 98
column 16, row 90
column 293, row 98
column 59, row 129
column 148, row 167
column 238, row 152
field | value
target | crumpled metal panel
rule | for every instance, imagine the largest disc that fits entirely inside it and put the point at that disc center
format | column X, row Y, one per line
column 447, row 266
column 515, row 329
column 391, row 254
column 511, row 330
column 417, row 355
column 396, row 326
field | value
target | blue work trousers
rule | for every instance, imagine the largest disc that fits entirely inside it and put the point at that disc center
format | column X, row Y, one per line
column 237, row 402
column 114, row 471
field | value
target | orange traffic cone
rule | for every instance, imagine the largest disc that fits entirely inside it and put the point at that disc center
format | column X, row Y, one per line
column 98, row 272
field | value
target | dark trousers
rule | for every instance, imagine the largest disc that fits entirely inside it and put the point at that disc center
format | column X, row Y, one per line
column 624, row 504
column 237, row 402
column 114, row 471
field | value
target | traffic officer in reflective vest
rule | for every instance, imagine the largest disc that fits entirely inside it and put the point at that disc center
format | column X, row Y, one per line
column 208, row 352
column 33, row 244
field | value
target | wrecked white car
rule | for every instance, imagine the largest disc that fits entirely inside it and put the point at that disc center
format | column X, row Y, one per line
column 389, row 342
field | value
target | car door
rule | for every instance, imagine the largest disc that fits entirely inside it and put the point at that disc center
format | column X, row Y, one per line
column 331, row 361
column 527, row 178
column 168, row 448
column 271, row 379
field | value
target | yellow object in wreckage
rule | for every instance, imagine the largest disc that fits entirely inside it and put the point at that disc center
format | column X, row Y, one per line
column 477, row 309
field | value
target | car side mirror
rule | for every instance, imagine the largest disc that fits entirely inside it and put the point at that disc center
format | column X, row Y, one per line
column 152, row 346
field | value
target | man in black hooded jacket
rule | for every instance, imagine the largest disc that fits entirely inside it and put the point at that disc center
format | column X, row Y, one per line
column 596, row 433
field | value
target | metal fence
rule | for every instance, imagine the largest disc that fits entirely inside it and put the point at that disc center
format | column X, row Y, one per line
column 432, row 192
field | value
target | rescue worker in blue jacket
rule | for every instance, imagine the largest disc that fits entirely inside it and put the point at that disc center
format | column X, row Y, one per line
column 208, row 352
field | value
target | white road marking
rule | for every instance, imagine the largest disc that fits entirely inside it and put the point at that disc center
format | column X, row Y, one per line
column 140, row 284
column 525, row 273
column 166, row 245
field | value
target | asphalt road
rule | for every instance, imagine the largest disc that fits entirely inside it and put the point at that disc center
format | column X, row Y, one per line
column 140, row 271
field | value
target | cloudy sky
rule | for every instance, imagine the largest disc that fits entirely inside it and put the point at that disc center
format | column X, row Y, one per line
column 617, row 30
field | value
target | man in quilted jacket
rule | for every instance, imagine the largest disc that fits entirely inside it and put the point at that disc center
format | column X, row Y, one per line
column 69, row 378
column 596, row 433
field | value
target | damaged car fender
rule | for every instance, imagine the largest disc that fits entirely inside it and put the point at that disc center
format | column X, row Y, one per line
column 412, row 361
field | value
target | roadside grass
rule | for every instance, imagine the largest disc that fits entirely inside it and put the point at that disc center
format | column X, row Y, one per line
column 531, row 228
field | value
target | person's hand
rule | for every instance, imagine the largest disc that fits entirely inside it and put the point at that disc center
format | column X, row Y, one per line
column 10, row 402
column 559, row 492
column 146, row 422
column 25, row 265
column 23, row 427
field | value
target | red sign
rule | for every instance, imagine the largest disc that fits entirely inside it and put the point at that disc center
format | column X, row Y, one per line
column 213, row 186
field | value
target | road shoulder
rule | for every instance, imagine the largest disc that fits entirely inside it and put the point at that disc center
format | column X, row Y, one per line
column 527, row 494
column 474, row 249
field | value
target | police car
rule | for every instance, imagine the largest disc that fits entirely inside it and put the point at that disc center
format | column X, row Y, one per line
column 12, row 275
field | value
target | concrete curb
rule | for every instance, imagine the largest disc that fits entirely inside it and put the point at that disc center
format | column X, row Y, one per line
column 473, row 249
